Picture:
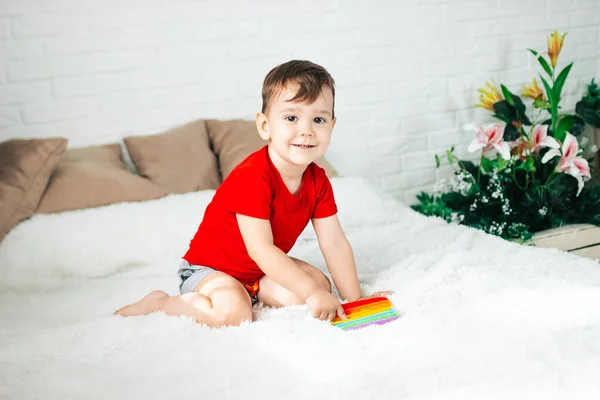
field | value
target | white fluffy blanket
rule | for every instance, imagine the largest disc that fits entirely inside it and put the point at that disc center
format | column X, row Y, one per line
column 481, row 318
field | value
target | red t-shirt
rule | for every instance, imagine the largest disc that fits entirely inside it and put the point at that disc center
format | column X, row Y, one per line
column 255, row 188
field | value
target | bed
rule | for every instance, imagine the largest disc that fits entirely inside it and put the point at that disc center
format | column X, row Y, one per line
column 481, row 318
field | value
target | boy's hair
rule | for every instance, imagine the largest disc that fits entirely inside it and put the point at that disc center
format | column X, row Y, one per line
column 310, row 77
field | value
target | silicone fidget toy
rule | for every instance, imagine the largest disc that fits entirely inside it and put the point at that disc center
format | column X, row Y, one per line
column 361, row 313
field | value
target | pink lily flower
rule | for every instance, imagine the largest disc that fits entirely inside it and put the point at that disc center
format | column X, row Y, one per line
column 489, row 137
column 570, row 163
column 539, row 139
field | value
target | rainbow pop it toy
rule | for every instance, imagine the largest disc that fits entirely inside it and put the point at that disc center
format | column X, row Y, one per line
column 361, row 313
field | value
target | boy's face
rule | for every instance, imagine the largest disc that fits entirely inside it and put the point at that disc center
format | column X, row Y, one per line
column 299, row 132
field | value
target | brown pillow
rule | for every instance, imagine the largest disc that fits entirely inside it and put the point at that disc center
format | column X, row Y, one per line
column 235, row 140
column 25, row 167
column 94, row 176
column 179, row 160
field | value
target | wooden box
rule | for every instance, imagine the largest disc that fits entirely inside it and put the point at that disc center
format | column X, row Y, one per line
column 580, row 239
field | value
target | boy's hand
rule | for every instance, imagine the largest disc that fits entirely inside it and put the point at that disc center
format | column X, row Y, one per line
column 324, row 306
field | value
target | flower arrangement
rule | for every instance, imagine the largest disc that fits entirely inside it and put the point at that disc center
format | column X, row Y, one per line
column 532, row 173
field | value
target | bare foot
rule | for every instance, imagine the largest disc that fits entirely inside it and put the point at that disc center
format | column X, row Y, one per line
column 142, row 307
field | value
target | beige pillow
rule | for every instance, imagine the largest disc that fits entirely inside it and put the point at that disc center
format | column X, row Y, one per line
column 235, row 140
column 179, row 160
column 25, row 167
column 329, row 170
column 94, row 176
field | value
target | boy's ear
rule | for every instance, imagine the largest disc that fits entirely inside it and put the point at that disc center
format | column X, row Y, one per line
column 262, row 125
column 333, row 121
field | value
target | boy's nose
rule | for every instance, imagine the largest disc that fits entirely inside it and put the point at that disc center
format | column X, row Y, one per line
column 306, row 130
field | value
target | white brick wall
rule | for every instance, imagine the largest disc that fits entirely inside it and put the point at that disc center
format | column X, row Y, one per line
column 407, row 71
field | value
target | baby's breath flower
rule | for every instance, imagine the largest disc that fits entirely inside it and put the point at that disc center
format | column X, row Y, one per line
column 454, row 217
column 441, row 187
column 496, row 228
column 460, row 184
column 473, row 206
column 495, row 187
column 506, row 210
column 584, row 141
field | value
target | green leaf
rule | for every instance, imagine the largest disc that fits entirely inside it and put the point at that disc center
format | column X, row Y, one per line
column 487, row 165
column 590, row 114
column 528, row 165
column 502, row 118
column 437, row 161
column 589, row 105
column 510, row 133
column 511, row 113
column 548, row 90
column 507, row 95
column 521, row 110
column 501, row 164
column 432, row 206
column 553, row 101
column 469, row 167
column 545, row 65
column 578, row 126
column 450, row 155
column 519, row 105
column 569, row 123
column 542, row 62
column 541, row 104
column 560, row 81
column 563, row 126
column 505, row 111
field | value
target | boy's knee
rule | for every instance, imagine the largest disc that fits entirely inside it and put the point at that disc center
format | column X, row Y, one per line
column 322, row 280
column 234, row 316
column 293, row 299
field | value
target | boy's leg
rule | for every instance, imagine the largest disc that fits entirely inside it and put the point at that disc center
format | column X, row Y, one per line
column 275, row 295
column 217, row 300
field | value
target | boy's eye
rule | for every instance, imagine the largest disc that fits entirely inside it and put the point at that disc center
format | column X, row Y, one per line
column 291, row 118
column 319, row 120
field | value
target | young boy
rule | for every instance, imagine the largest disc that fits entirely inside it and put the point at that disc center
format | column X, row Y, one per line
column 239, row 253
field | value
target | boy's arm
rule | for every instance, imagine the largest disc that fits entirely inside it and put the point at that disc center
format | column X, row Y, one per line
column 338, row 256
column 258, row 237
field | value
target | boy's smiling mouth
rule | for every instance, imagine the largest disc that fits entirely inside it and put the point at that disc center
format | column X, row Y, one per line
column 304, row 146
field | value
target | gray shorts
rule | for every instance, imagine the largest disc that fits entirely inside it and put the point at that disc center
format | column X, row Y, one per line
column 191, row 275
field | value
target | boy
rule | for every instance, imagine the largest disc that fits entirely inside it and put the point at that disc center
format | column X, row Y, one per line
column 238, row 256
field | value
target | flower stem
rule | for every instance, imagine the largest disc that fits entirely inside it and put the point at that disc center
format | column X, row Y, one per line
column 554, row 106
column 514, row 178
column 550, row 178
column 479, row 169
